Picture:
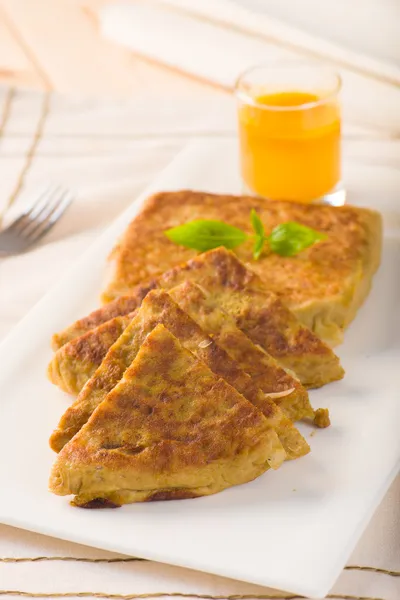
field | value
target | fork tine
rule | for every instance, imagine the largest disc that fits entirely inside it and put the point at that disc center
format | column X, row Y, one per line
column 51, row 218
column 43, row 212
column 36, row 221
column 25, row 219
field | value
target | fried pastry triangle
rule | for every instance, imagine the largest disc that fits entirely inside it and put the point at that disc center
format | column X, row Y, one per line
column 265, row 371
column 170, row 429
column 77, row 360
column 256, row 310
column 158, row 307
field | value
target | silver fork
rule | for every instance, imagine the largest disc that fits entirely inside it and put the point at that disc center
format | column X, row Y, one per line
column 35, row 222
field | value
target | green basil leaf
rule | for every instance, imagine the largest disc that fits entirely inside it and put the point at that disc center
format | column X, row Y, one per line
column 204, row 235
column 257, row 224
column 260, row 234
column 258, row 247
column 291, row 238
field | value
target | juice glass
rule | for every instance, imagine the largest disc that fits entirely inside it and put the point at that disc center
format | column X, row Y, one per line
column 289, row 132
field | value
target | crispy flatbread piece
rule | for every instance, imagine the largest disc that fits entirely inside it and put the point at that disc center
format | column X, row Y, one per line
column 76, row 361
column 171, row 429
column 158, row 307
column 122, row 308
column 264, row 370
column 256, row 310
column 324, row 286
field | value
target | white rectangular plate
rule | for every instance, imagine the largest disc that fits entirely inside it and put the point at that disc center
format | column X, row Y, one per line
column 292, row 529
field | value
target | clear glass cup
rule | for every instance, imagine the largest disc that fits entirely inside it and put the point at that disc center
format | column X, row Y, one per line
column 290, row 132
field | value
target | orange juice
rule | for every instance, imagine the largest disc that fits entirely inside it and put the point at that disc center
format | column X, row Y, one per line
column 290, row 145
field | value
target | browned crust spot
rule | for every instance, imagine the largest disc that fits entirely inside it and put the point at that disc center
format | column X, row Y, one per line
column 97, row 503
column 171, row 495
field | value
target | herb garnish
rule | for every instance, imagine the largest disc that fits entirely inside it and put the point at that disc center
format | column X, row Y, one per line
column 287, row 239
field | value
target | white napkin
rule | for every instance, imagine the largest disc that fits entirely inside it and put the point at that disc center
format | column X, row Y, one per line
column 215, row 40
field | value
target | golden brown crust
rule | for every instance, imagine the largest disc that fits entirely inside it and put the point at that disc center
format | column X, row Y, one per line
column 264, row 370
column 158, row 307
column 75, row 362
column 125, row 306
column 321, row 285
column 257, row 311
column 169, row 425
